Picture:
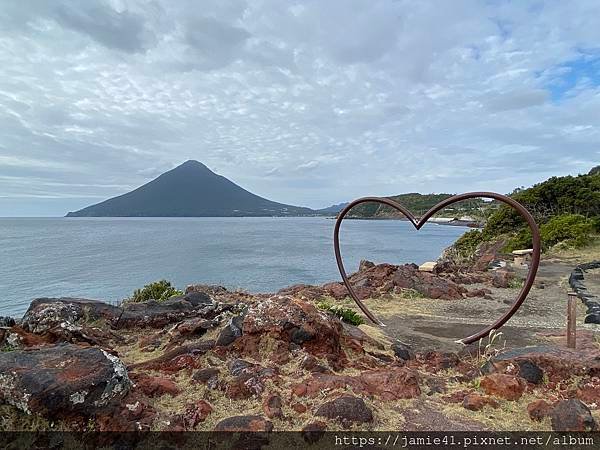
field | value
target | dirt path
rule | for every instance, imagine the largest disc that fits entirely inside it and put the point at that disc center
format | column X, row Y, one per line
column 437, row 324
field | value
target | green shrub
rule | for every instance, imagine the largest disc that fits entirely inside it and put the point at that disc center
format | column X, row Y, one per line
column 466, row 245
column 160, row 291
column 522, row 239
column 346, row 314
column 573, row 229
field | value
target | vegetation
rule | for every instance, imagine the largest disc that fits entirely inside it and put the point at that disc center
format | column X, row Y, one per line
column 418, row 204
column 348, row 315
column 466, row 245
column 160, row 291
column 488, row 351
column 567, row 210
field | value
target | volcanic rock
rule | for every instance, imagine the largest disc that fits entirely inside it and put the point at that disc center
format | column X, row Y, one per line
column 231, row 331
column 508, row 387
column 347, row 409
column 154, row 386
column 403, row 351
column 476, row 402
column 428, row 284
column 196, row 412
column 155, row 314
column 387, row 384
column 572, row 415
column 538, row 409
column 245, row 423
column 204, row 375
column 62, row 381
column 45, row 314
column 290, row 321
column 530, row 371
column 502, row 278
column 313, row 432
column 272, row 406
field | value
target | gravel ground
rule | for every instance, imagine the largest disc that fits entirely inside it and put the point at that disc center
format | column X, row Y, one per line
column 437, row 324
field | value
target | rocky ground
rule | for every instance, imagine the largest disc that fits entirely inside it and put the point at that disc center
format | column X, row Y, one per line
column 219, row 360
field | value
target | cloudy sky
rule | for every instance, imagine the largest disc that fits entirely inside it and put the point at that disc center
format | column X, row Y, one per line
column 311, row 102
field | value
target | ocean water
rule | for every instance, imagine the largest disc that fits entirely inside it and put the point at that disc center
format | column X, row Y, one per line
column 107, row 258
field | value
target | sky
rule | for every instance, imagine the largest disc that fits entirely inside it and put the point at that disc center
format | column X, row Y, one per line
column 309, row 103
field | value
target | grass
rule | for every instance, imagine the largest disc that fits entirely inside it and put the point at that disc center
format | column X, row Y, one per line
column 510, row 415
column 578, row 255
column 12, row 419
column 488, row 351
column 348, row 315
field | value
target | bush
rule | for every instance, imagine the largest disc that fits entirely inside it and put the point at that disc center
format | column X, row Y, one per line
column 522, row 239
column 346, row 314
column 467, row 244
column 572, row 229
column 160, row 291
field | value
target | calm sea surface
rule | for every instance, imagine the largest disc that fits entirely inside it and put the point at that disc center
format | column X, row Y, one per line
column 108, row 258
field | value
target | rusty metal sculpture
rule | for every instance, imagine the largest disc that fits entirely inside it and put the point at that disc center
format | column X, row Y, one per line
column 418, row 223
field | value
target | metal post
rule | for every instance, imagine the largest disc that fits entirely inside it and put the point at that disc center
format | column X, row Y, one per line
column 572, row 320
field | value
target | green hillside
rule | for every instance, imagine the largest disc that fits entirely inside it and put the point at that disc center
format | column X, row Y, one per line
column 567, row 210
column 418, row 204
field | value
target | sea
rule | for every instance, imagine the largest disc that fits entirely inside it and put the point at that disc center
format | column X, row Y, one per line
column 108, row 258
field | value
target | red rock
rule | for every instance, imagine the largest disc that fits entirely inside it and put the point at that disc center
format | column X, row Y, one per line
column 387, row 384
column 289, row 321
column 557, row 362
column 182, row 357
column 572, row 415
column 204, row 375
column 457, row 396
column 132, row 414
column 314, row 431
column 486, row 253
column 304, row 291
column 272, row 406
column 244, row 423
column 436, row 361
column 196, row 412
column 299, row 408
column 508, row 387
column 320, row 382
column 390, row 384
column 429, row 284
column 47, row 314
column 588, row 392
column 154, row 386
column 336, row 290
column 312, row 364
column 347, row 409
column 249, row 379
column 502, row 278
column 149, row 343
column 538, row 409
column 476, row 402
column 196, row 326
column 62, row 381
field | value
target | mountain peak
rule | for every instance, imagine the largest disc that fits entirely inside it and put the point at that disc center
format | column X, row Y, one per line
column 192, row 163
column 189, row 190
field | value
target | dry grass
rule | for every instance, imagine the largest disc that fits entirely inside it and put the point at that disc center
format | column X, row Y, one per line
column 508, row 416
column 578, row 255
column 12, row 419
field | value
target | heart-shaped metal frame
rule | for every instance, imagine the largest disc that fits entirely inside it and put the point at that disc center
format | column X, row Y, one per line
column 418, row 223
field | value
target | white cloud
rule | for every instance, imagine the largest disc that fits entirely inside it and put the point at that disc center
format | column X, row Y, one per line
column 309, row 103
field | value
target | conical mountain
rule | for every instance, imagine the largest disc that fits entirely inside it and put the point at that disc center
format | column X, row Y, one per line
column 190, row 190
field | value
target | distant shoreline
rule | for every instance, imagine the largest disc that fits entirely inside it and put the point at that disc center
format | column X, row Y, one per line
column 454, row 223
